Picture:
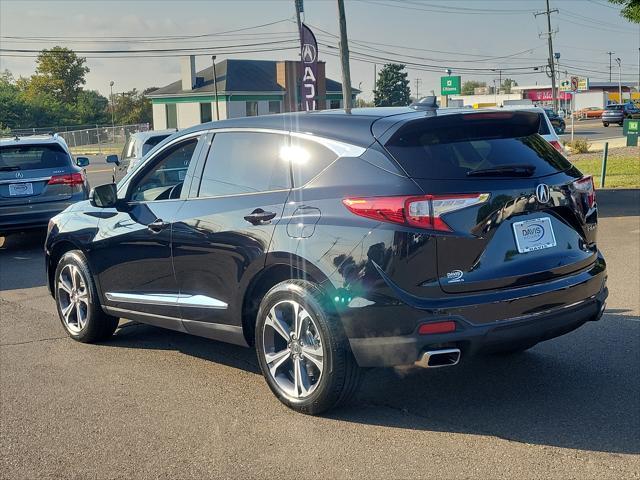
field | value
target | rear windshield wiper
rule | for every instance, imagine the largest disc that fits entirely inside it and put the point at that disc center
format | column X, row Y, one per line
column 9, row 169
column 504, row 171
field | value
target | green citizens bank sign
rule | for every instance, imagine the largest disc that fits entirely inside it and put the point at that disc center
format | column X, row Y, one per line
column 450, row 85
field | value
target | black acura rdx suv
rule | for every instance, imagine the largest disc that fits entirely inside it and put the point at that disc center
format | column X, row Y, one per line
column 333, row 241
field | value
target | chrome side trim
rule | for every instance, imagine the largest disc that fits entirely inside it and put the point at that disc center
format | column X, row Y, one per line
column 25, row 180
column 182, row 300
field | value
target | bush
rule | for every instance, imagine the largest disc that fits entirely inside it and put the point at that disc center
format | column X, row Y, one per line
column 579, row 145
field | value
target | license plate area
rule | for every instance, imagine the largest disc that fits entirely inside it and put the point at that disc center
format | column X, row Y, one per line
column 20, row 189
column 535, row 234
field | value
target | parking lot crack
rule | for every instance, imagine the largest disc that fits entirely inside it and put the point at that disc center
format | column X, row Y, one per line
column 33, row 341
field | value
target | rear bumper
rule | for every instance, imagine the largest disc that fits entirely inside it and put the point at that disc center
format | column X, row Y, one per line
column 36, row 215
column 585, row 302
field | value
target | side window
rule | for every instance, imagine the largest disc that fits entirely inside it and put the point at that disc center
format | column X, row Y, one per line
column 240, row 162
column 164, row 179
column 544, row 128
column 129, row 151
column 309, row 159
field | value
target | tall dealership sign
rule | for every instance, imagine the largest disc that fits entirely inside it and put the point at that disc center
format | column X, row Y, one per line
column 309, row 57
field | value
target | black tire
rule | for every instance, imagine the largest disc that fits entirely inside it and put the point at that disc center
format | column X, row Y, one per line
column 605, row 124
column 621, row 124
column 340, row 376
column 98, row 325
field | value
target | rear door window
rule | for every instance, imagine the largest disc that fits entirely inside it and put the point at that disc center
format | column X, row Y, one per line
column 308, row 159
column 30, row 157
column 449, row 148
column 544, row 126
column 245, row 162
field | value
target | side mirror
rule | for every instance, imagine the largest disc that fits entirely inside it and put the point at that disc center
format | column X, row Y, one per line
column 104, row 196
column 82, row 161
column 113, row 159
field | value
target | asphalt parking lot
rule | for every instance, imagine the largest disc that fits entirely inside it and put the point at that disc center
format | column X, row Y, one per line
column 592, row 130
column 157, row 404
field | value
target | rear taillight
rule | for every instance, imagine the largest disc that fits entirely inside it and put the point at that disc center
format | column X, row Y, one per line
column 424, row 211
column 67, row 179
column 556, row 145
column 586, row 186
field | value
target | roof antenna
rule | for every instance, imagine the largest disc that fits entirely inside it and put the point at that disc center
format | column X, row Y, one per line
column 428, row 104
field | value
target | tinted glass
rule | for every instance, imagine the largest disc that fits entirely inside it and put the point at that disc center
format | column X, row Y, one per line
column 245, row 163
column 544, row 128
column 613, row 107
column 448, row 151
column 313, row 159
column 152, row 142
column 167, row 172
column 27, row 157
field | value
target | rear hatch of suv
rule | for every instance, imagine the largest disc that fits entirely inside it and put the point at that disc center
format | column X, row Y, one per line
column 37, row 172
column 507, row 209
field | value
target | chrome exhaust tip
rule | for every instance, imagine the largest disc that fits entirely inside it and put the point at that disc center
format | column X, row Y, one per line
column 439, row 358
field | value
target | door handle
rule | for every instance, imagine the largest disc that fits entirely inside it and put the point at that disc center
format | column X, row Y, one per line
column 158, row 225
column 259, row 216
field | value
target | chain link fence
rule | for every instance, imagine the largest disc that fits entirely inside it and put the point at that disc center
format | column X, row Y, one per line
column 92, row 139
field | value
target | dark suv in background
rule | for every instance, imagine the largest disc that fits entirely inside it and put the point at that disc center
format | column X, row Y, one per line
column 38, row 179
column 331, row 241
column 616, row 113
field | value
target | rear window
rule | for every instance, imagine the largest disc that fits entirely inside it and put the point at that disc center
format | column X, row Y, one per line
column 152, row 142
column 30, row 157
column 613, row 107
column 449, row 148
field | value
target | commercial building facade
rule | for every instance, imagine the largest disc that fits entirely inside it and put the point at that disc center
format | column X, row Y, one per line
column 242, row 88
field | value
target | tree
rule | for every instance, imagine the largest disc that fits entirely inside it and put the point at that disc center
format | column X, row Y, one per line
column 133, row 107
column 392, row 87
column 12, row 107
column 507, row 84
column 469, row 86
column 630, row 9
column 59, row 72
column 91, row 108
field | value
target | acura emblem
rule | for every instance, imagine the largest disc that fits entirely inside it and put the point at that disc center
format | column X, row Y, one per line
column 308, row 53
column 542, row 193
column 19, row 175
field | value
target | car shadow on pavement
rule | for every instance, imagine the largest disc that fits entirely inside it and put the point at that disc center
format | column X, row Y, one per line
column 21, row 255
column 568, row 393
column 618, row 202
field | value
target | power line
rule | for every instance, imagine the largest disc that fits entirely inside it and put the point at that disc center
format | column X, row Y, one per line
column 159, row 50
column 166, row 37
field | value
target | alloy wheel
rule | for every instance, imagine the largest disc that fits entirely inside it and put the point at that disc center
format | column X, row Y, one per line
column 293, row 349
column 73, row 298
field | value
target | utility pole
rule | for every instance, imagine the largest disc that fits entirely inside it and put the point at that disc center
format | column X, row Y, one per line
column 610, row 53
column 418, row 80
column 344, row 58
column 215, row 86
column 299, row 10
column 619, row 62
column 551, row 62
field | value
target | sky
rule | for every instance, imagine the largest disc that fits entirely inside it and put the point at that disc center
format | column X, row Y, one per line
column 432, row 34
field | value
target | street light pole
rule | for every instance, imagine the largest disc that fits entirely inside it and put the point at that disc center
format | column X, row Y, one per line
column 619, row 62
column 215, row 86
column 111, row 102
